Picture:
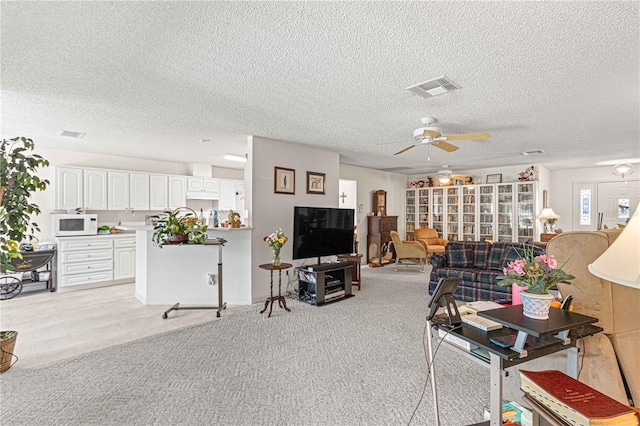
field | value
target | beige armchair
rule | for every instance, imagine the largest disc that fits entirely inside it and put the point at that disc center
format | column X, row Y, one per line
column 409, row 250
column 607, row 356
column 429, row 239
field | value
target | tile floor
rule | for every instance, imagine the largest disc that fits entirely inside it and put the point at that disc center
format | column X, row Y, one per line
column 54, row 326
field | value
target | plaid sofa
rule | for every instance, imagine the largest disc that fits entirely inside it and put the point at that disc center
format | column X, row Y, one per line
column 479, row 264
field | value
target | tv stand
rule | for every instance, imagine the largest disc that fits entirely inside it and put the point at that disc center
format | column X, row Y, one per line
column 324, row 282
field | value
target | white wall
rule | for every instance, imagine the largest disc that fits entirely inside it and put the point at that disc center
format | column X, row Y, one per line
column 561, row 194
column 270, row 211
column 373, row 180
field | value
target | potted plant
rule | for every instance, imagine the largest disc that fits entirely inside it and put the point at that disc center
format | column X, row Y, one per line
column 18, row 180
column 537, row 274
column 178, row 227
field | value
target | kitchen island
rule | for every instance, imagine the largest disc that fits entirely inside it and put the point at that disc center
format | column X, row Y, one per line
column 180, row 273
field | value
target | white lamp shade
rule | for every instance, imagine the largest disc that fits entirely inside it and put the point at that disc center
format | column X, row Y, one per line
column 548, row 213
column 620, row 263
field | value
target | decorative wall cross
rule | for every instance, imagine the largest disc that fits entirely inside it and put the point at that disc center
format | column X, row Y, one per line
column 343, row 196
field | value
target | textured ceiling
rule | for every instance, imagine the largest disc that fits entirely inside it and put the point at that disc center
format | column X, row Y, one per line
column 148, row 79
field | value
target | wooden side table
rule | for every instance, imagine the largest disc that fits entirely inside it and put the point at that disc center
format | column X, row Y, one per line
column 281, row 300
column 357, row 261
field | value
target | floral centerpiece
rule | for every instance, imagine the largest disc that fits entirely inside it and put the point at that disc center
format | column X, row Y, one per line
column 537, row 274
column 276, row 240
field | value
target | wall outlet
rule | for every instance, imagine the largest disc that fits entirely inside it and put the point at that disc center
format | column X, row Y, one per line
column 212, row 279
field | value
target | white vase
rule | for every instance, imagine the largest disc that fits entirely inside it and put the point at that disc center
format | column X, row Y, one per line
column 536, row 306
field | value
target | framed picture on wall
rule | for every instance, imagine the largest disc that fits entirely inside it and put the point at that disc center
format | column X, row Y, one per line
column 315, row 183
column 284, row 181
column 497, row 178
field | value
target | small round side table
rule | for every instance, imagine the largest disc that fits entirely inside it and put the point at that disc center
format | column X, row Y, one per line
column 281, row 300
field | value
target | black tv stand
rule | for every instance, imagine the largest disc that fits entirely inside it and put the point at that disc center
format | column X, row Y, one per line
column 324, row 282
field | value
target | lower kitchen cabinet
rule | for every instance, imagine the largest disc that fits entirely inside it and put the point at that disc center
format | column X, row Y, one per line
column 95, row 261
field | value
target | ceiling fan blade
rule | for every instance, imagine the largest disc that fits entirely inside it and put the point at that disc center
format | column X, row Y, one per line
column 445, row 146
column 467, row 136
column 404, row 150
column 430, row 133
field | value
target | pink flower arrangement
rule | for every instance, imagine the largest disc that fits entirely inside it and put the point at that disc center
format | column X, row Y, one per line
column 538, row 273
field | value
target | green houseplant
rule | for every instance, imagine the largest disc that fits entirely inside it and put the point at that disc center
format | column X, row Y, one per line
column 18, row 181
column 177, row 227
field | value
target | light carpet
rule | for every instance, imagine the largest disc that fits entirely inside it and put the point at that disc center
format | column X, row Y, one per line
column 358, row 361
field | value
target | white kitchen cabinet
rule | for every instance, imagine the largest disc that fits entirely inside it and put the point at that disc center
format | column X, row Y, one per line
column 118, row 190
column 128, row 191
column 158, row 192
column 94, row 261
column 203, row 184
column 95, row 189
column 228, row 191
column 69, row 188
column 139, row 191
column 177, row 192
column 124, row 258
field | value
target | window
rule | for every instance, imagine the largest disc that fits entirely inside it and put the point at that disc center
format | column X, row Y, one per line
column 585, row 207
column 623, row 208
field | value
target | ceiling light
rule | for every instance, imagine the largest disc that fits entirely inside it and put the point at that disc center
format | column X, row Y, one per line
column 622, row 169
column 235, row 157
column 71, row 134
column 204, row 140
column 444, row 179
column 534, row 152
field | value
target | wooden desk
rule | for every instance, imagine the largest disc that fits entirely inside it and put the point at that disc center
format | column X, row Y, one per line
column 534, row 339
column 357, row 261
column 281, row 300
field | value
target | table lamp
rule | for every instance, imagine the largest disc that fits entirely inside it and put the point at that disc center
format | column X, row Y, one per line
column 550, row 217
column 620, row 263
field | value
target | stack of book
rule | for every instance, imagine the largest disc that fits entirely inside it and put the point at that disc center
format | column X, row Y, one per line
column 573, row 402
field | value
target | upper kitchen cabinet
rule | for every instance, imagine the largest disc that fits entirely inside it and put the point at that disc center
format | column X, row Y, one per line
column 139, row 191
column 229, row 190
column 203, row 184
column 95, row 189
column 158, row 192
column 68, row 188
column 177, row 192
column 128, row 191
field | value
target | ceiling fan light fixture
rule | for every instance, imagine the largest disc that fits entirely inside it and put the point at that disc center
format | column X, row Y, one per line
column 444, row 179
column 622, row 169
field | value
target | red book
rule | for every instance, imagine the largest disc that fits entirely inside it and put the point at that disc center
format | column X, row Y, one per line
column 574, row 401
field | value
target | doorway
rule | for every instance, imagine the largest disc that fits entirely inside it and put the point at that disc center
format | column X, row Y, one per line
column 617, row 201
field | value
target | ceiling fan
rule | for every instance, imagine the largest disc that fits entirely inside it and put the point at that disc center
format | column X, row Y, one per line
column 431, row 135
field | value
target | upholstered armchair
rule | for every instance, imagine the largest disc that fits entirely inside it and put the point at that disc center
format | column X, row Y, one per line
column 608, row 356
column 429, row 239
column 411, row 250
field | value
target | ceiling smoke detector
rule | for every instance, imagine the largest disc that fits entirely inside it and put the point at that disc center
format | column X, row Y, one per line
column 70, row 134
column 435, row 87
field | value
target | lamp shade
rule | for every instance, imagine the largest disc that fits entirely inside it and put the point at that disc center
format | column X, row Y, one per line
column 548, row 213
column 620, row 263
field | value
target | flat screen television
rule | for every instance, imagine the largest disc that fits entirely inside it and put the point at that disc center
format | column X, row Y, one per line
column 322, row 231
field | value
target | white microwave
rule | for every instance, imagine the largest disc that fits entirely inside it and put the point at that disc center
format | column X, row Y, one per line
column 72, row 225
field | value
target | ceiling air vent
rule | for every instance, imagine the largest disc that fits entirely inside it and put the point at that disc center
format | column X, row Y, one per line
column 535, row 152
column 70, row 134
column 435, row 87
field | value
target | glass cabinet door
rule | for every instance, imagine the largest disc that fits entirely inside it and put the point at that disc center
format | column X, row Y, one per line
column 526, row 209
column 485, row 212
column 438, row 210
column 410, row 213
column 423, row 208
column 453, row 213
column 505, row 212
column 469, row 213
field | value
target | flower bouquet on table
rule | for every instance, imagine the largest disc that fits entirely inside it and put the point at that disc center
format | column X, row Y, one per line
column 276, row 240
column 537, row 274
